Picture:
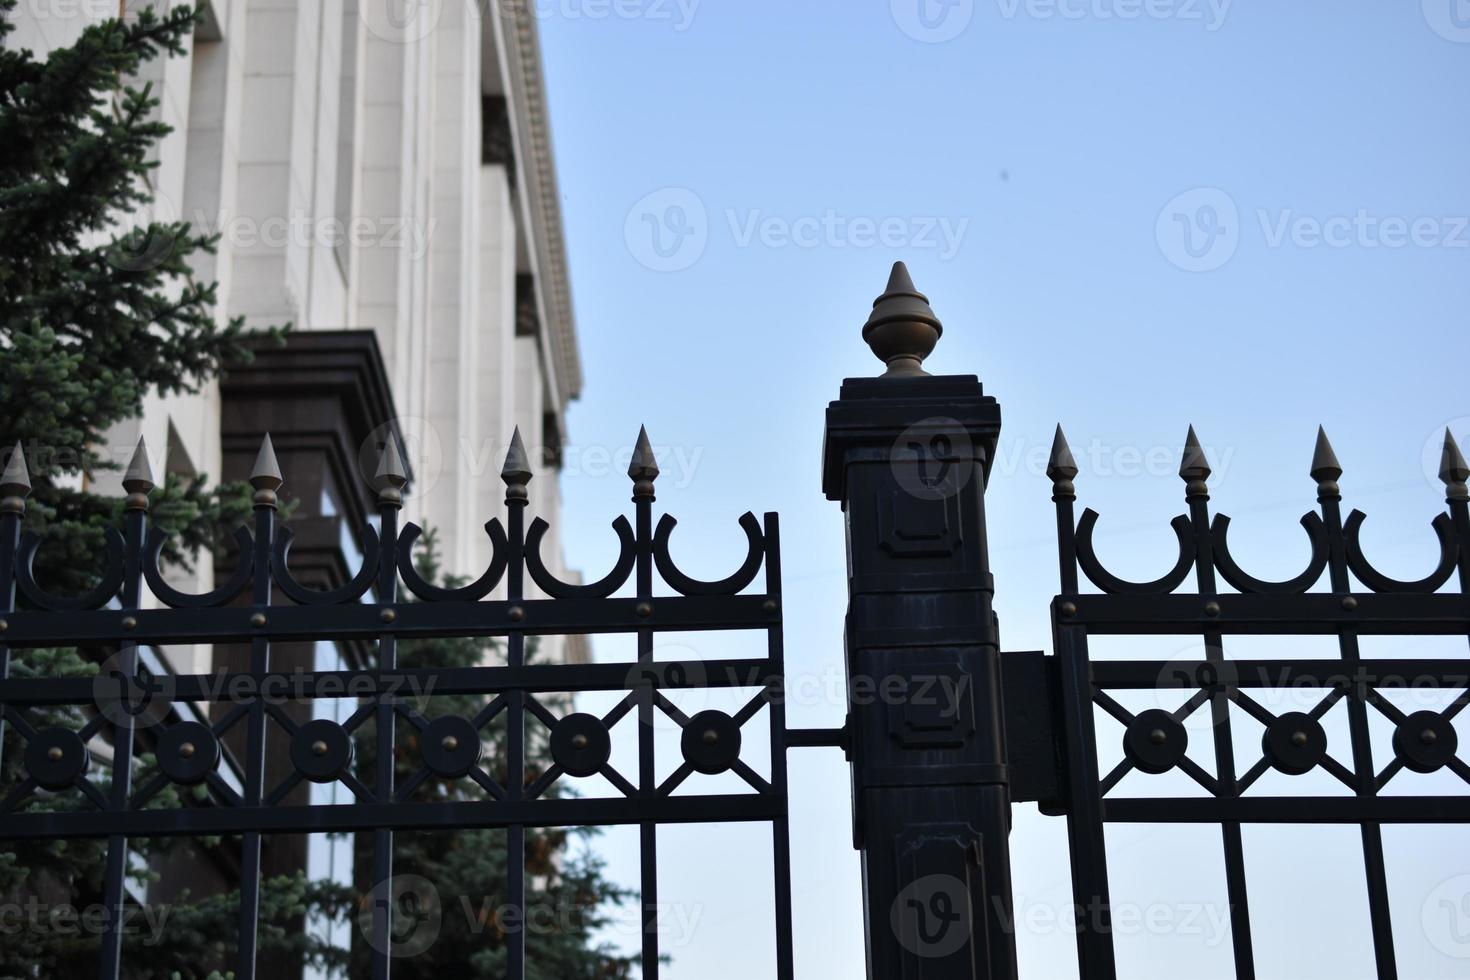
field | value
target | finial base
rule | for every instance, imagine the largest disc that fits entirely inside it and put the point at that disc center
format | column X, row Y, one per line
column 906, row 366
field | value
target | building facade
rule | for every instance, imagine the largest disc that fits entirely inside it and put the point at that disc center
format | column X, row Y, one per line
column 381, row 176
column 380, row 173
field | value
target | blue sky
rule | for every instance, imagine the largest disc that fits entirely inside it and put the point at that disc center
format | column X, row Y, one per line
column 1130, row 217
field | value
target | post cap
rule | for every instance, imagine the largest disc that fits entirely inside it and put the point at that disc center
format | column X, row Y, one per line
column 902, row 330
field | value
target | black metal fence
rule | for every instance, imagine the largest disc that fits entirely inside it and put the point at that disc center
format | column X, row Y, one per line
column 962, row 733
column 1354, row 599
column 370, row 608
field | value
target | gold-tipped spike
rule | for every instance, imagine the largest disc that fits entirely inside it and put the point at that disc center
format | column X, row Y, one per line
column 265, row 475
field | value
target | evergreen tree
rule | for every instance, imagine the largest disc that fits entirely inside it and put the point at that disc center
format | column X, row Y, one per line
column 98, row 308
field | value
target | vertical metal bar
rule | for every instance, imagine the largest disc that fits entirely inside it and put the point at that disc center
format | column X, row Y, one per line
column 643, row 470
column 516, row 477
column 1086, row 835
column 1086, row 839
column 266, row 480
column 1455, row 472
column 15, row 486
column 1061, row 469
column 1195, row 470
column 1326, row 471
column 780, row 827
column 389, row 482
column 138, row 482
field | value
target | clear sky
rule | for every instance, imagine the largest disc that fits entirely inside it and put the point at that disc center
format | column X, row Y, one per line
column 1131, row 215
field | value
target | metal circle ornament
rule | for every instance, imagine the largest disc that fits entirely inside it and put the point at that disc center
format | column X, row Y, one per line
column 931, row 916
column 451, row 746
column 1294, row 743
column 580, row 744
column 56, row 757
column 188, row 752
column 1155, row 741
column 1426, row 741
column 711, row 742
column 321, row 750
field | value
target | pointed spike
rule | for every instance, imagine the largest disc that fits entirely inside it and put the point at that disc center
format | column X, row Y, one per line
column 1452, row 466
column 1325, row 467
column 391, row 474
column 517, row 468
column 16, row 480
column 644, row 465
column 1194, row 466
column 1061, row 465
column 899, row 280
column 139, row 475
column 266, row 473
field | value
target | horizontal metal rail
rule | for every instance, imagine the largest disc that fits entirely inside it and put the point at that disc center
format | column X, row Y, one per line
column 1320, row 614
column 405, row 621
column 242, row 687
column 557, row 812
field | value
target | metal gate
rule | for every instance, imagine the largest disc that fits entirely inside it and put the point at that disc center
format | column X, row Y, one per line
column 1339, row 594
column 944, row 732
column 371, row 607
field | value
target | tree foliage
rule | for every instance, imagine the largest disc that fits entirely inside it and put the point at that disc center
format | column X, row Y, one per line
column 98, row 306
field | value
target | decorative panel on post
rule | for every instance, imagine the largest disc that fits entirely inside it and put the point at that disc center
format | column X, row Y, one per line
column 907, row 454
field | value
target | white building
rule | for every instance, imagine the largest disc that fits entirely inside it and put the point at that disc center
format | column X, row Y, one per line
column 381, row 166
column 381, row 175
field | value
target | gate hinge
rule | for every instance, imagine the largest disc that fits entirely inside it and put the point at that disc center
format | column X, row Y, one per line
column 1033, row 750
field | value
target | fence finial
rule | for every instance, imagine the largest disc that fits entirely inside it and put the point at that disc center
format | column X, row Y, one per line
column 265, row 475
column 1453, row 470
column 1061, row 467
column 517, row 469
column 138, row 479
column 1325, row 468
column 902, row 330
column 643, row 467
column 15, row 483
column 391, row 477
column 1194, row 469
column 16, row 480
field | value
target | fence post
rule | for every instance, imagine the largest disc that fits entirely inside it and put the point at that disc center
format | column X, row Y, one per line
column 908, row 454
